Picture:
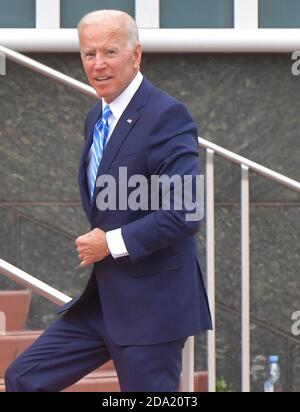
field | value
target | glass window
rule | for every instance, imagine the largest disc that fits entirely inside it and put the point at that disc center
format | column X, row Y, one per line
column 73, row 10
column 17, row 14
column 279, row 13
column 196, row 13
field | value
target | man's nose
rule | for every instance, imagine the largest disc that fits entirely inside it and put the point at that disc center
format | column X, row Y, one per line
column 100, row 62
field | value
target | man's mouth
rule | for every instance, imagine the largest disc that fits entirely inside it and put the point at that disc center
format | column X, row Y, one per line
column 102, row 78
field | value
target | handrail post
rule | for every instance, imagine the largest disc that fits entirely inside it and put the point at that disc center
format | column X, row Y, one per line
column 188, row 366
column 29, row 281
column 2, row 323
column 245, row 278
column 210, row 264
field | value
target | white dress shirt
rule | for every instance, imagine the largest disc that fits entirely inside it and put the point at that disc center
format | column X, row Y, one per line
column 114, row 237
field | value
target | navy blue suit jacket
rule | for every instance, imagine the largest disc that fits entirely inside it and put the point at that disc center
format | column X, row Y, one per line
column 156, row 294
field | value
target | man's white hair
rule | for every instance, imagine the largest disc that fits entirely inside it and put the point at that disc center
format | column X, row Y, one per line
column 126, row 21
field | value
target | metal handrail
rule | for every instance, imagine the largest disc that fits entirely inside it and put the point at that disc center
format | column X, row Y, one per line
column 87, row 90
column 246, row 165
column 255, row 167
column 47, row 71
column 29, row 281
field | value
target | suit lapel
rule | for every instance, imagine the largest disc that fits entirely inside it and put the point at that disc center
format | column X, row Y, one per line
column 124, row 126
column 94, row 116
column 117, row 138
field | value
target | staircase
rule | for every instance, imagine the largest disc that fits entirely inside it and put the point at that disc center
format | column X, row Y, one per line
column 15, row 305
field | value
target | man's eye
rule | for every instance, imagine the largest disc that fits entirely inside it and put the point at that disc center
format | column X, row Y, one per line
column 110, row 52
column 89, row 55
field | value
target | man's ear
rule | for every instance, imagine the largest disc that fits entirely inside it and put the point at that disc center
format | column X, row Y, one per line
column 137, row 55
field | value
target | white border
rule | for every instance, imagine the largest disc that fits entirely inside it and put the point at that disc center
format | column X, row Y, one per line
column 47, row 14
column 48, row 37
column 147, row 13
column 245, row 14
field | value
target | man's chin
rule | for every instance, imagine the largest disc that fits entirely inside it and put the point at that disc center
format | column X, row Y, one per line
column 101, row 93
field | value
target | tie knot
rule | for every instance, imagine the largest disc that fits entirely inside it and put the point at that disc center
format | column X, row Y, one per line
column 106, row 113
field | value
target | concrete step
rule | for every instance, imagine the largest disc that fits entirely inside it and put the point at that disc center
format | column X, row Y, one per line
column 12, row 345
column 15, row 305
column 99, row 381
column 201, row 381
column 107, row 381
column 2, row 386
column 103, row 379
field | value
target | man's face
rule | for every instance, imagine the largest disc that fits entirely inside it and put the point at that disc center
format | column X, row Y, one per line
column 109, row 63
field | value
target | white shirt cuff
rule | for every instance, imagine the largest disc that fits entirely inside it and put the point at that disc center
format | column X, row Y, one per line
column 116, row 243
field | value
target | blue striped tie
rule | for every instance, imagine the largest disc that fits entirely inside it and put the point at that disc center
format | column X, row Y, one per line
column 101, row 130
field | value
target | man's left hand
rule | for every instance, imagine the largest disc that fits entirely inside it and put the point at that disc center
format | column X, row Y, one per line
column 92, row 247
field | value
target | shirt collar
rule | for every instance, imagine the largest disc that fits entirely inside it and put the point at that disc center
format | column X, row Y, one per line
column 120, row 103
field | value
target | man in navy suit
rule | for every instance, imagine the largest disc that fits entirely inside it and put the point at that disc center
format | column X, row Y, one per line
column 145, row 295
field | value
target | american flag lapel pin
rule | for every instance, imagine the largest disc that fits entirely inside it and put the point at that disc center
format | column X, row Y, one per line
column 129, row 120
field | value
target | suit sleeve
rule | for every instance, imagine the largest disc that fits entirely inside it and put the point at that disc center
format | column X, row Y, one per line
column 172, row 151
